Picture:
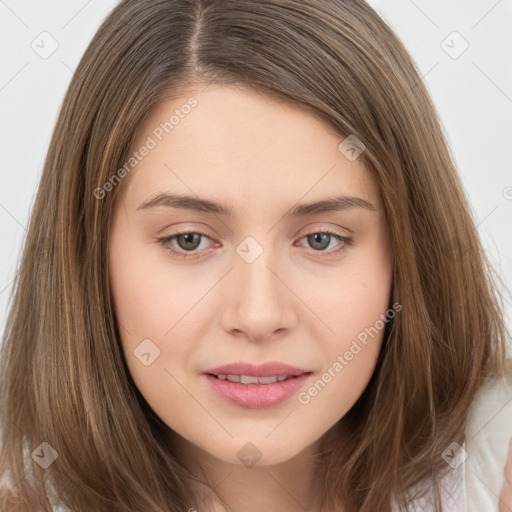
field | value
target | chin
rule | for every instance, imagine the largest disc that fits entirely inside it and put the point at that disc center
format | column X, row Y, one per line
column 255, row 452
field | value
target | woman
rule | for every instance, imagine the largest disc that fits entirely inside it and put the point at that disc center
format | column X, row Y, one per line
column 254, row 368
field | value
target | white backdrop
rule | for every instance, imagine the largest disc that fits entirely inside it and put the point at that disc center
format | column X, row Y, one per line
column 463, row 49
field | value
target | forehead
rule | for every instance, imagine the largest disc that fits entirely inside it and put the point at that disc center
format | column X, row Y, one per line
column 245, row 145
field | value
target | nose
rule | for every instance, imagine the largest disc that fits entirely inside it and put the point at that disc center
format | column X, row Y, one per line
column 259, row 304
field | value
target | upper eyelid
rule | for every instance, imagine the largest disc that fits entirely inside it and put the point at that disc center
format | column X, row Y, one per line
column 169, row 238
column 314, row 229
column 206, row 235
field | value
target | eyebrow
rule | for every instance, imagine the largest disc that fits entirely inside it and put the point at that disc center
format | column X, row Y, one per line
column 204, row 205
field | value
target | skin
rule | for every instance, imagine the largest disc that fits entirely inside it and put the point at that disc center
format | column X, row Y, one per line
column 293, row 304
column 506, row 491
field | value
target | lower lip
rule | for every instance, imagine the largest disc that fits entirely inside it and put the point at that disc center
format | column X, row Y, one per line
column 256, row 396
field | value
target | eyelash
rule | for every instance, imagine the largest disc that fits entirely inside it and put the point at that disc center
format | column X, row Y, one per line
column 163, row 241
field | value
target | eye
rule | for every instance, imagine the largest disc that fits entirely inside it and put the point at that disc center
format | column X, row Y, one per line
column 189, row 241
column 321, row 239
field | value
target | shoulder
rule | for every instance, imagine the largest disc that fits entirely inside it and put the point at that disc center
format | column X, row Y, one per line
column 475, row 481
column 488, row 433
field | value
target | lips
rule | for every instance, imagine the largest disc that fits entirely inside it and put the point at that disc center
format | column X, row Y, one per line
column 256, row 386
column 269, row 369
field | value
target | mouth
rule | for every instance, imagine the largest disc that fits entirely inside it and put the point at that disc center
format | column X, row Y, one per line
column 271, row 386
column 249, row 373
column 251, row 379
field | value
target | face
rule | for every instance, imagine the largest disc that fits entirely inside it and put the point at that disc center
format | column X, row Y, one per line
column 244, row 272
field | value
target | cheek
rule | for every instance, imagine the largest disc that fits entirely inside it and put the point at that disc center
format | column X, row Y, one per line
column 350, row 356
column 158, row 313
column 148, row 313
column 357, row 309
column 152, row 297
column 355, row 297
column 360, row 306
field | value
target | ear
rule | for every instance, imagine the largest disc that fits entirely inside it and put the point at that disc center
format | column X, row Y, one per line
column 506, row 491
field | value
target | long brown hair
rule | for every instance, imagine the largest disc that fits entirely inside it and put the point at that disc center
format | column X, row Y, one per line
column 63, row 377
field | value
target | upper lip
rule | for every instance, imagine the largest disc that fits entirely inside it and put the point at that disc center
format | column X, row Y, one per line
column 261, row 370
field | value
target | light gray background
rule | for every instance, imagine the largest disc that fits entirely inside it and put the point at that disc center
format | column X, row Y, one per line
column 473, row 94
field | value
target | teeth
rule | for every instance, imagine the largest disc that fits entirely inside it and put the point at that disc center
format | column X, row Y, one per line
column 268, row 380
column 244, row 379
column 249, row 379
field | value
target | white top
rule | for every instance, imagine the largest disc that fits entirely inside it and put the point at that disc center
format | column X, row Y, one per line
column 488, row 436
column 478, row 467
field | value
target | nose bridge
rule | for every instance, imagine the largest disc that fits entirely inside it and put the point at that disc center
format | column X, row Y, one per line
column 260, row 303
column 254, row 268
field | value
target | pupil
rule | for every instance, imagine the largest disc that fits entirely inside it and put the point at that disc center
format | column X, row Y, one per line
column 188, row 237
column 317, row 238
